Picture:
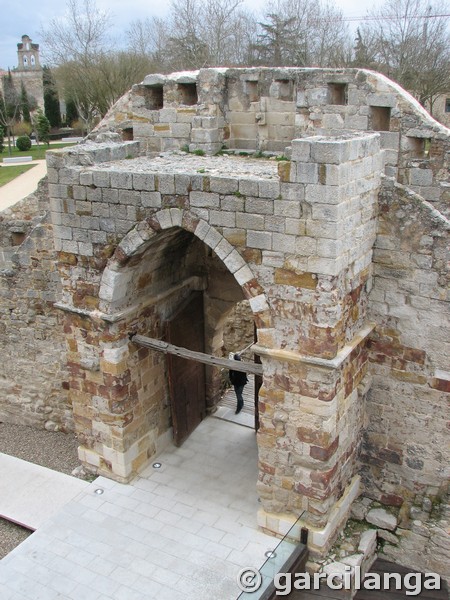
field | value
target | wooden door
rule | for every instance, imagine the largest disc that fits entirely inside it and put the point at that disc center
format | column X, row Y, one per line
column 187, row 377
column 258, row 384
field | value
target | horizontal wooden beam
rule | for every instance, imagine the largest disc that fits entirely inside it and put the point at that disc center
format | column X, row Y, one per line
column 208, row 359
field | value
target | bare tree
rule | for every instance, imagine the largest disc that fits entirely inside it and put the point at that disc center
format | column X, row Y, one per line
column 149, row 37
column 220, row 27
column 88, row 68
column 79, row 35
column 196, row 33
column 410, row 41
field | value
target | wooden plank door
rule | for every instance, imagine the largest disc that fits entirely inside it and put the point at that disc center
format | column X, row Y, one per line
column 258, row 383
column 187, row 377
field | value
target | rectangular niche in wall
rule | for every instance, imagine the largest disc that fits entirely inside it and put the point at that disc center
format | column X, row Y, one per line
column 381, row 117
column 127, row 134
column 418, row 147
column 154, row 97
column 251, row 90
column 187, row 93
column 337, row 93
column 283, row 89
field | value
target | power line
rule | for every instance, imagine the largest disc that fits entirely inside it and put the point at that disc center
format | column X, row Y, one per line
column 392, row 17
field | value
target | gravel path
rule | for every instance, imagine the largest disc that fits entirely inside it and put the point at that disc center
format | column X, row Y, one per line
column 56, row 451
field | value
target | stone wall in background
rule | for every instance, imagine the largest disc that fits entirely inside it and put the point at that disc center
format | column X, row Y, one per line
column 405, row 452
column 239, row 328
column 33, row 369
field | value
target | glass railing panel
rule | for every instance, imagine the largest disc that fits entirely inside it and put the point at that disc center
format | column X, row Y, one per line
column 276, row 558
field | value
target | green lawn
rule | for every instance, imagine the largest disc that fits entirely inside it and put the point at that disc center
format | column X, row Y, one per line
column 37, row 152
column 9, row 173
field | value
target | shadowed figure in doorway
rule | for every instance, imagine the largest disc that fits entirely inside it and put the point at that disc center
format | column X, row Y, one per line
column 238, row 380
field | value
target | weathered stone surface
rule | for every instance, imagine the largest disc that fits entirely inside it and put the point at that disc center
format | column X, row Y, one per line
column 368, row 542
column 321, row 246
column 387, row 536
column 381, row 518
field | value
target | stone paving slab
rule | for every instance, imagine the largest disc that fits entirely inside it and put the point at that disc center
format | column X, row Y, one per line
column 181, row 532
column 30, row 494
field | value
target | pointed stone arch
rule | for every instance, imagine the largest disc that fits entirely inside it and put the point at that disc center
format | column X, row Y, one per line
column 115, row 278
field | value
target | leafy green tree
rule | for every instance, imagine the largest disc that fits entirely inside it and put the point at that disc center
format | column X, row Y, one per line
column 42, row 127
column 9, row 108
column 277, row 43
column 24, row 104
column 51, row 99
column 2, row 138
column 71, row 112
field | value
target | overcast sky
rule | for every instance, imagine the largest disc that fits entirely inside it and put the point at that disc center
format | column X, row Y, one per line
column 19, row 17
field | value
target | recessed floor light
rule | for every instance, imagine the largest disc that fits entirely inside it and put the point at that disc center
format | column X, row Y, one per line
column 98, row 491
column 157, row 465
column 270, row 554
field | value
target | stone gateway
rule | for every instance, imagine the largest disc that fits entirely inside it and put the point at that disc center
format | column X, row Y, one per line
column 318, row 195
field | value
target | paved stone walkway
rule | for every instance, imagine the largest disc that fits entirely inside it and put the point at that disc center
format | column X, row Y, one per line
column 181, row 532
column 29, row 493
column 23, row 185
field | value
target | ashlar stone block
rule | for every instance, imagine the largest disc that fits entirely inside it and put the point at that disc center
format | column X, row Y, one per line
column 260, row 239
column 204, row 200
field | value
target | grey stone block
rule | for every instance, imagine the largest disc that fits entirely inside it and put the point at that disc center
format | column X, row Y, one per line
column 63, row 233
column 420, row 177
column 108, row 225
column 222, row 219
column 250, row 221
column 232, row 203
column 166, row 183
column 151, row 199
column 286, row 208
column 306, row 173
column 101, row 179
column 259, row 239
column 269, row 189
column 57, row 190
column 259, row 206
column 100, row 209
column 301, row 150
column 223, row 185
column 381, row 518
column 129, row 197
column 380, row 99
column 182, row 184
column 248, row 187
column 143, row 181
column 204, row 200
column 110, row 196
column 284, row 243
column 89, row 222
column 79, row 192
column 121, row 180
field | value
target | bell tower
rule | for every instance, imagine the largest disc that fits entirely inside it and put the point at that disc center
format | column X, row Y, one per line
column 28, row 55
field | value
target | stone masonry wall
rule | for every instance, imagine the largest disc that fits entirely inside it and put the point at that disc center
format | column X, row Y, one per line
column 297, row 237
column 262, row 109
column 33, row 372
column 352, row 337
column 408, row 424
